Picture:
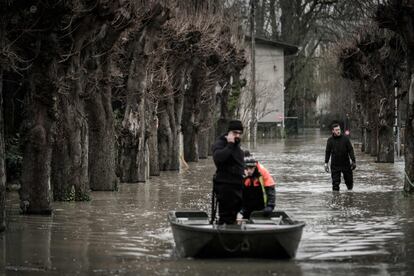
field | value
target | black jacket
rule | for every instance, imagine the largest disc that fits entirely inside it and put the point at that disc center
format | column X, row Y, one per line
column 341, row 150
column 229, row 161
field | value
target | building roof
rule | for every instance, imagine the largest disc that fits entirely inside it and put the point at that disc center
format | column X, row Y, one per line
column 289, row 49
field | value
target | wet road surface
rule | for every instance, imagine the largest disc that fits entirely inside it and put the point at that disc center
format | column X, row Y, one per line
column 369, row 231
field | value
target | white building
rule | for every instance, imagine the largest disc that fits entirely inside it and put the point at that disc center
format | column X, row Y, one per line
column 270, row 80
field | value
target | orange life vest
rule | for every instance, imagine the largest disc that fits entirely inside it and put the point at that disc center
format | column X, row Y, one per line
column 264, row 180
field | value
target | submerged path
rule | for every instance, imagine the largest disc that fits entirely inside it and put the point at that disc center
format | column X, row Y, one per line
column 368, row 231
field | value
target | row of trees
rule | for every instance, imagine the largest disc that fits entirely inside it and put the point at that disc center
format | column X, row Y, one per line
column 97, row 90
column 376, row 59
column 398, row 17
column 372, row 61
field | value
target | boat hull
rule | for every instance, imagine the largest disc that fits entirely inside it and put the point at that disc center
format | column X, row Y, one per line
column 253, row 240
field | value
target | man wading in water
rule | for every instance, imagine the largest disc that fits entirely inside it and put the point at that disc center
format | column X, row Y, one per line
column 340, row 149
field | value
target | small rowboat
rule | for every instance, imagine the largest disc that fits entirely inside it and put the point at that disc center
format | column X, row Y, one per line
column 275, row 236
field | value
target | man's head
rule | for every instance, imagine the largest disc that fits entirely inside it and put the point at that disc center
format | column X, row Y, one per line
column 336, row 130
column 250, row 165
column 236, row 127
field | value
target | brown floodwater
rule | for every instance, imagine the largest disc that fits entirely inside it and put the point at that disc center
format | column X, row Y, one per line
column 369, row 231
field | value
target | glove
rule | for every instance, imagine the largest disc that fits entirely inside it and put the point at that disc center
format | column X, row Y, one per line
column 326, row 168
column 267, row 211
column 353, row 166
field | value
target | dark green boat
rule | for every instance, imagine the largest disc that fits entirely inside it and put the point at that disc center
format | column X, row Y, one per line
column 276, row 236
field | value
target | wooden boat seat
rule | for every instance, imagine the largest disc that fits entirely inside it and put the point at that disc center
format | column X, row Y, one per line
column 276, row 217
column 272, row 220
column 191, row 217
column 189, row 221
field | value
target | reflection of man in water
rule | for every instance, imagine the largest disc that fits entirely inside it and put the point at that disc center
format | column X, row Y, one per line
column 340, row 150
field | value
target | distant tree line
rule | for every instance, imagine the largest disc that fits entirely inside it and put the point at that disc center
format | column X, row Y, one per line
column 311, row 25
column 373, row 43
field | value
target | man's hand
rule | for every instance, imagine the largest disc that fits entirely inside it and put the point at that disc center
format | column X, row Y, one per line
column 353, row 166
column 326, row 168
column 230, row 137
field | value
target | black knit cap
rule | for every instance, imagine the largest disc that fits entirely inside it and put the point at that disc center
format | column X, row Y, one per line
column 250, row 161
column 235, row 125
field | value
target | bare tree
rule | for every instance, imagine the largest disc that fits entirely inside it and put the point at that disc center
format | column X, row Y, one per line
column 374, row 59
column 141, row 41
column 51, row 57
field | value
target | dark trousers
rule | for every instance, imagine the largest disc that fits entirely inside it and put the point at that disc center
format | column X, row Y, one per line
column 336, row 178
column 229, row 198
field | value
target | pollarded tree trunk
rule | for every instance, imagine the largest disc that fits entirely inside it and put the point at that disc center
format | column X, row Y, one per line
column 409, row 135
column 138, row 137
column 203, row 143
column 169, row 130
column 2, row 164
column 175, row 113
column 373, row 141
column 373, row 131
column 165, row 134
column 409, row 131
column 385, row 131
column 177, row 117
column 35, row 192
column 70, row 155
column 398, row 17
column 133, row 162
column 212, row 137
column 191, row 116
column 368, row 132
column 102, row 151
column 363, row 131
column 70, row 179
column 206, row 123
column 154, row 166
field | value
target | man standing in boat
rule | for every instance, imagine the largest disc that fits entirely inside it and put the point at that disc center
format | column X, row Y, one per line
column 339, row 149
column 227, row 184
column 259, row 188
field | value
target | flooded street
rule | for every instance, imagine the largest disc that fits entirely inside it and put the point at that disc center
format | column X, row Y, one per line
column 369, row 231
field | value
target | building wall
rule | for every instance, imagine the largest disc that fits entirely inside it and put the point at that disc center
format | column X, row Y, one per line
column 270, row 83
column 269, row 86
